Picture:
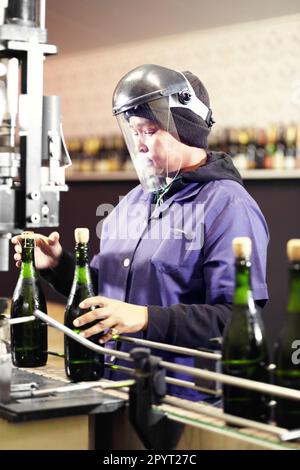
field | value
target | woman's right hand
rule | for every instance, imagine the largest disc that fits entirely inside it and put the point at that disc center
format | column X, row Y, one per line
column 47, row 252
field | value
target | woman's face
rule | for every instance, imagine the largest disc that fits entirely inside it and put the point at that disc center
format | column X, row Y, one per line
column 155, row 144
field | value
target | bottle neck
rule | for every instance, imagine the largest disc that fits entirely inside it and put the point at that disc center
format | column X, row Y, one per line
column 243, row 292
column 28, row 263
column 294, row 288
column 82, row 272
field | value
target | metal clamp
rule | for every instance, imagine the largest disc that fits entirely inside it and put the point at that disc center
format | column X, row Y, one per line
column 153, row 427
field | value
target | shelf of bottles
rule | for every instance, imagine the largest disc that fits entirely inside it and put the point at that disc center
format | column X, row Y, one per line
column 262, row 153
column 99, row 158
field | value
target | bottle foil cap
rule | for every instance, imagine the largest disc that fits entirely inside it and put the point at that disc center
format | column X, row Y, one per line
column 242, row 247
column 28, row 239
column 293, row 249
column 82, row 235
column 28, row 234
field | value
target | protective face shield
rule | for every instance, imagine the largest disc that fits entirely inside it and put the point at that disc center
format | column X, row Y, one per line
column 153, row 143
column 150, row 104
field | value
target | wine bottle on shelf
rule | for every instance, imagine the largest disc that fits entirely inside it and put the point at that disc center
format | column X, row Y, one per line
column 290, row 153
column 81, row 363
column 105, row 155
column 287, row 372
column 298, row 148
column 75, row 149
column 29, row 341
column 100, row 165
column 120, row 149
column 113, row 160
column 240, row 159
column 233, row 146
column 90, row 150
column 225, row 140
column 245, row 352
column 279, row 156
column 270, row 147
column 251, row 148
column 261, row 149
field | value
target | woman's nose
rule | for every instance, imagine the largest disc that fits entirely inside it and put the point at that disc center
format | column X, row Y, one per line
column 142, row 147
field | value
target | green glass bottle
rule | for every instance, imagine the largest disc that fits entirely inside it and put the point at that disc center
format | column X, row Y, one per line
column 29, row 341
column 80, row 362
column 245, row 352
column 287, row 372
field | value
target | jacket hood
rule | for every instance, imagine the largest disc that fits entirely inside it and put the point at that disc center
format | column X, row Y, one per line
column 218, row 166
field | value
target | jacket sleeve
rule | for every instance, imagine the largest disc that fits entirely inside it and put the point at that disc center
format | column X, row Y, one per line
column 191, row 326
column 61, row 277
column 237, row 219
column 187, row 325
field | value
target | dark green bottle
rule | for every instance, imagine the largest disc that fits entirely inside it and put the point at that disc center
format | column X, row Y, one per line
column 287, row 372
column 80, row 362
column 29, row 341
column 245, row 352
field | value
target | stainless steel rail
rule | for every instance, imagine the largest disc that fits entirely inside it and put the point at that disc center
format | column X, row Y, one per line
column 203, row 374
column 170, row 348
column 218, row 414
column 169, row 380
column 85, row 342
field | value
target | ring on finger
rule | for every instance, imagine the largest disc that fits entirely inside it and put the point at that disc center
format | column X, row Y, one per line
column 115, row 331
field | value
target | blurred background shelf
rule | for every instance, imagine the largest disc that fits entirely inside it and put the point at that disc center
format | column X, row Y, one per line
column 131, row 175
column 270, row 174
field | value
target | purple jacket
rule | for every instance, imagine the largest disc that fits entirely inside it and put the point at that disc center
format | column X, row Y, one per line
column 178, row 259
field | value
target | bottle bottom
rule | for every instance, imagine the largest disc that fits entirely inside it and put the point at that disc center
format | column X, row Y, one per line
column 84, row 372
column 287, row 412
column 247, row 410
column 82, row 364
column 245, row 404
column 25, row 360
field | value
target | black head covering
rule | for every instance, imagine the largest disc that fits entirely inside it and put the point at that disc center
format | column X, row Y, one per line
column 191, row 128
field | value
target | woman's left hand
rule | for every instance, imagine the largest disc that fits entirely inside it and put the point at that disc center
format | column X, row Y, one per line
column 113, row 315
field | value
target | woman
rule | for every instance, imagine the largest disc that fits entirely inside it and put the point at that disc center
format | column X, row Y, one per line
column 165, row 269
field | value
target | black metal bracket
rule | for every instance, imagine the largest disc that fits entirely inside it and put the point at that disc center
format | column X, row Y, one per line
column 153, row 427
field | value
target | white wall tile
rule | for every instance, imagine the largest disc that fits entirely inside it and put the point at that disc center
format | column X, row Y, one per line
column 252, row 73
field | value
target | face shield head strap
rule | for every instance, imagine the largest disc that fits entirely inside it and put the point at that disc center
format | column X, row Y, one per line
column 187, row 99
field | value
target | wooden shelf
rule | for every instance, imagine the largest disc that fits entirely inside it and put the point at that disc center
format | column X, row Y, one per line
column 131, row 175
column 270, row 174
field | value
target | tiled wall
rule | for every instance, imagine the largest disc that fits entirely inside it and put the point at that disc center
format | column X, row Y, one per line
column 252, row 72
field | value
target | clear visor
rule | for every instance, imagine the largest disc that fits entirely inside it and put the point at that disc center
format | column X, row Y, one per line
column 153, row 143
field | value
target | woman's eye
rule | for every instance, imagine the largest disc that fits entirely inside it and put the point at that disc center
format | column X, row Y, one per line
column 150, row 132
